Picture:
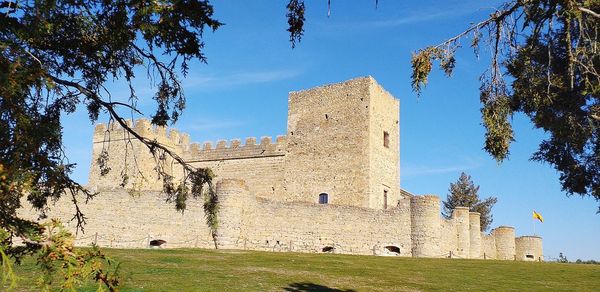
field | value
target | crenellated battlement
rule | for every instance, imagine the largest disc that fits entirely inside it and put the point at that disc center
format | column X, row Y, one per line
column 194, row 152
column 167, row 136
column 234, row 149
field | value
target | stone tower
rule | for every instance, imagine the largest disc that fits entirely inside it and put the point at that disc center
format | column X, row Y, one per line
column 343, row 141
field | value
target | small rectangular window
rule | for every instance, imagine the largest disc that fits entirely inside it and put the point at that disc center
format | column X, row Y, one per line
column 385, row 195
column 386, row 139
column 323, row 198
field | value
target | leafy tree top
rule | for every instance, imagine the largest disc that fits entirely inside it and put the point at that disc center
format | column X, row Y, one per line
column 545, row 63
column 56, row 55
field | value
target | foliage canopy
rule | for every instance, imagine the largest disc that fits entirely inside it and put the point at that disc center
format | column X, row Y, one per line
column 545, row 63
column 56, row 55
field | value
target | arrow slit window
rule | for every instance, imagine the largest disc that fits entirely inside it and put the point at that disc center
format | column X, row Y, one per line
column 386, row 139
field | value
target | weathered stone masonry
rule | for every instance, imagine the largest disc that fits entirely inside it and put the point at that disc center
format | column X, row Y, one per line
column 342, row 143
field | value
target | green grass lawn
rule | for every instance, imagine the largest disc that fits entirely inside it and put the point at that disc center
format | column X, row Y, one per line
column 231, row 270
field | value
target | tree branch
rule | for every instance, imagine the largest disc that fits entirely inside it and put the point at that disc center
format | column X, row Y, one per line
column 125, row 105
column 589, row 11
column 496, row 17
column 109, row 106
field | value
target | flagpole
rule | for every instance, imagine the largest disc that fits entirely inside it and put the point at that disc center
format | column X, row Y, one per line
column 533, row 222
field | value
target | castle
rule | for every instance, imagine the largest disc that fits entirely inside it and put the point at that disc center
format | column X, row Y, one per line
column 332, row 184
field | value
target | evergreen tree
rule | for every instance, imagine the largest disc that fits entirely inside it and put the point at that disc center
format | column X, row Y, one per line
column 464, row 193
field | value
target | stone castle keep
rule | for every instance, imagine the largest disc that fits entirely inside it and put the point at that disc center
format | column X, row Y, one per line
column 331, row 184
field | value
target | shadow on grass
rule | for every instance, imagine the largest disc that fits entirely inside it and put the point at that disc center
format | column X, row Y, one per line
column 311, row 287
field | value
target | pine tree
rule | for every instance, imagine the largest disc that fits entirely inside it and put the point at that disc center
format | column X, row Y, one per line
column 464, row 193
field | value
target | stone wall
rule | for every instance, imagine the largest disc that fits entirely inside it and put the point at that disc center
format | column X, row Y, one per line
column 449, row 238
column 488, row 244
column 259, row 165
column 459, row 234
column 309, row 227
column 118, row 219
column 412, row 228
column 234, row 149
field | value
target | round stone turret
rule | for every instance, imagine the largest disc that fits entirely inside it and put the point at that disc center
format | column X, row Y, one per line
column 529, row 248
column 475, row 232
column 460, row 216
column 233, row 196
column 505, row 242
column 425, row 221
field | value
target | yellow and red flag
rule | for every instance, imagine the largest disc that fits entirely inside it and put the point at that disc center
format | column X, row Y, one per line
column 538, row 216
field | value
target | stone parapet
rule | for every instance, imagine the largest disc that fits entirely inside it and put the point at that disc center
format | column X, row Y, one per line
column 234, row 149
column 115, row 132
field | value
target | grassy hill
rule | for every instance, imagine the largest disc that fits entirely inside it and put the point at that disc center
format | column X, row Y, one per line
column 232, row 270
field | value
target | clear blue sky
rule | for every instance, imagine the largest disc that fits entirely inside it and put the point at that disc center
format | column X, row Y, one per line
column 242, row 92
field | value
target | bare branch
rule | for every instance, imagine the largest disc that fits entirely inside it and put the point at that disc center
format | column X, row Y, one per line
column 589, row 11
column 109, row 106
column 496, row 17
column 127, row 106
